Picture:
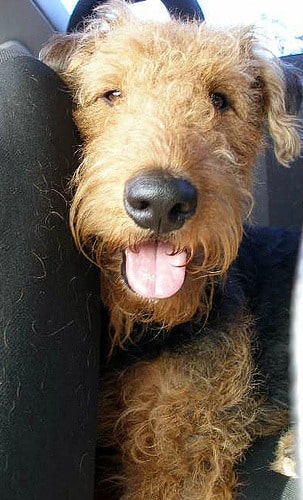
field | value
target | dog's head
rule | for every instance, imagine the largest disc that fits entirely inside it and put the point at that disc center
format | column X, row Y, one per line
column 172, row 117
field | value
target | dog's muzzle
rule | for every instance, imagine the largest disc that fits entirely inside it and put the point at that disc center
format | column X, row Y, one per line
column 160, row 203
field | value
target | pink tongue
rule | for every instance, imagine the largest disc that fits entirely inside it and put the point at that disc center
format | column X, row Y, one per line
column 153, row 272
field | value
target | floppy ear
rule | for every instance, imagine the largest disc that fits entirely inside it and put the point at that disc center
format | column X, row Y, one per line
column 57, row 54
column 282, row 98
column 65, row 54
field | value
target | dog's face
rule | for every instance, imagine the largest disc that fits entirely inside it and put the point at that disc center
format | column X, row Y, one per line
column 172, row 117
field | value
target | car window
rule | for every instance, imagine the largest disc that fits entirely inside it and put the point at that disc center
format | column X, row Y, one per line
column 280, row 21
column 69, row 5
column 151, row 9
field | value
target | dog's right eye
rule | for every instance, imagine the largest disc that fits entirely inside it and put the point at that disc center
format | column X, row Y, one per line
column 220, row 101
column 111, row 96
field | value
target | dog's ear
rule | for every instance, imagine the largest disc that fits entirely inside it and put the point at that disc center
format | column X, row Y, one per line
column 282, row 89
column 57, row 54
column 66, row 53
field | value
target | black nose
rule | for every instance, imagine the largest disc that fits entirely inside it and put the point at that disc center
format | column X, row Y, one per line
column 160, row 202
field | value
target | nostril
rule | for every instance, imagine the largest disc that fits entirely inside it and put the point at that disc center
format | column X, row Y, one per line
column 138, row 204
column 143, row 205
column 182, row 211
column 183, row 208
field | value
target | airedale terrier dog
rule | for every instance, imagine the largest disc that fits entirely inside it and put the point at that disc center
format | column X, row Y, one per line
column 172, row 117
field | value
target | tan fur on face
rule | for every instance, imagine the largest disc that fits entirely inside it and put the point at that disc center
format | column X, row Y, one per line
column 165, row 120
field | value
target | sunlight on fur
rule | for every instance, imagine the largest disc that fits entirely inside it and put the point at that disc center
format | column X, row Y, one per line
column 181, row 110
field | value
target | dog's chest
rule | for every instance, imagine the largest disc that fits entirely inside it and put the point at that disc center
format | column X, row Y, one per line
column 259, row 284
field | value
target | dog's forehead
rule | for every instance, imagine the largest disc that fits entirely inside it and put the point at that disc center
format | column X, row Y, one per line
column 189, row 38
column 172, row 49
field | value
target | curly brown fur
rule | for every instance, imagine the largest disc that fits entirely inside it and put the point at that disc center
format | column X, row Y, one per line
column 182, row 421
column 144, row 102
column 167, row 115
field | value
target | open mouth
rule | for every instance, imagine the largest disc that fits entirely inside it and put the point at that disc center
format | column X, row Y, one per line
column 153, row 270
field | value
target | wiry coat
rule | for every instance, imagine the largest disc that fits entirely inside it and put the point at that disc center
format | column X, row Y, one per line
column 187, row 394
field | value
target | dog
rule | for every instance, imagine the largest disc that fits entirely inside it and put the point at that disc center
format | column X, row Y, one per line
column 172, row 117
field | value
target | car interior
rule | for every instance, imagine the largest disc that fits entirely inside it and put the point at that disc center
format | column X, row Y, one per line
column 25, row 27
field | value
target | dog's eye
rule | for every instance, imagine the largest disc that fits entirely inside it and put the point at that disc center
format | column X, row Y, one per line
column 111, row 96
column 220, row 101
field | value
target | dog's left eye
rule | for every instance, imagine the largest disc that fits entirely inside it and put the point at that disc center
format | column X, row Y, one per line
column 111, row 96
column 220, row 101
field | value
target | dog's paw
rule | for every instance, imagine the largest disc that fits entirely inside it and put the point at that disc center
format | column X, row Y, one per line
column 285, row 462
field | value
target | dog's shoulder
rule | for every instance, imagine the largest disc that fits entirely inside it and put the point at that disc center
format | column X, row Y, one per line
column 266, row 269
column 269, row 246
column 261, row 278
column 266, row 263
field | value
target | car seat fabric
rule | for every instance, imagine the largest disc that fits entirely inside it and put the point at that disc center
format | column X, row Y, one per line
column 50, row 307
